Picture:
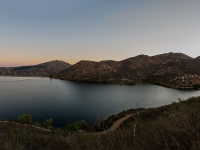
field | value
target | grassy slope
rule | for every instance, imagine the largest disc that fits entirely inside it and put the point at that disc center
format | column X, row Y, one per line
column 175, row 126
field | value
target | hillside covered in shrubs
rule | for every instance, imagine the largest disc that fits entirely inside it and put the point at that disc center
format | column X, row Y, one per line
column 174, row 126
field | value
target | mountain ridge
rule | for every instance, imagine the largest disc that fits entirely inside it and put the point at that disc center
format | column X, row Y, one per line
column 43, row 69
column 174, row 70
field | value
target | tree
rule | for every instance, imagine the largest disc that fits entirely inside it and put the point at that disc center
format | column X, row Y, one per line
column 25, row 118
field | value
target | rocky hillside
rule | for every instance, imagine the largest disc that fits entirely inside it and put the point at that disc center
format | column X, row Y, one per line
column 44, row 69
column 174, row 70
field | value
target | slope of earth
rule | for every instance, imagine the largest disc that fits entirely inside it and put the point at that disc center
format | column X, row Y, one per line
column 174, row 70
column 44, row 69
column 174, row 126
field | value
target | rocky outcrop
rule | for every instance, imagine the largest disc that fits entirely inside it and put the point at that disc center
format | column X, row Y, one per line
column 165, row 69
column 44, row 69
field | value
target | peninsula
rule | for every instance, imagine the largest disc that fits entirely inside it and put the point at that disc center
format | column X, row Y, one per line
column 43, row 69
column 174, row 70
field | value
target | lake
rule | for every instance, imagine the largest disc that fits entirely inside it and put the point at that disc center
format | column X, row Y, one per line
column 67, row 101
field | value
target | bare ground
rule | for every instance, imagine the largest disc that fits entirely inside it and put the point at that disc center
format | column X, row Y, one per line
column 116, row 124
column 27, row 125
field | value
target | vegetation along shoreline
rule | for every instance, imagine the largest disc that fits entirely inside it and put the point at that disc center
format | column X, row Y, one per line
column 173, row 126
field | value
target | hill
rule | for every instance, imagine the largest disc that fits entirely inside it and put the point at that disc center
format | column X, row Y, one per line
column 43, row 69
column 175, row 70
column 174, row 126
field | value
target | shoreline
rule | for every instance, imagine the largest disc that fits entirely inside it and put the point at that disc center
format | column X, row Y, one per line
column 97, row 82
column 24, row 76
column 129, row 84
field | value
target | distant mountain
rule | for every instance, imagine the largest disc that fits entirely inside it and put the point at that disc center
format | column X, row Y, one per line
column 44, row 69
column 174, row 70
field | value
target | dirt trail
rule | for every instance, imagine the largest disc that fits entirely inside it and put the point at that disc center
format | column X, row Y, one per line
column 111, row 129
column 116, row 124
column 27, row 125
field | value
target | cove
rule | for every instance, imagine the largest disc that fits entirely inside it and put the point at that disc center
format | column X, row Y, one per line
column 67, row 101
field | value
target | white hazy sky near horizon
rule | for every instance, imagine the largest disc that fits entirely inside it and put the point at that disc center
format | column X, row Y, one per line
column 36, row 31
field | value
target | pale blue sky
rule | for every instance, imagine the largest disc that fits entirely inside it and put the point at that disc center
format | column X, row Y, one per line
column 36, row 31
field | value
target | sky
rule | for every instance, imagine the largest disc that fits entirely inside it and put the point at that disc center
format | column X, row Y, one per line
column 32, row 32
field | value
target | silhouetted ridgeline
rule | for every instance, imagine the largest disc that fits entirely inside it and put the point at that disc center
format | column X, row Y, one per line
column 44, row 69
column 175, row 70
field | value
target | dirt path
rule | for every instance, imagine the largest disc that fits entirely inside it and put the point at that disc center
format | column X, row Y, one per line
column 27, row 125
column 116, row 124
column 111, row 129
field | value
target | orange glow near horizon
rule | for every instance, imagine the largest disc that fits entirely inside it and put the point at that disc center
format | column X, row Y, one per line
column 101, row 30
column 18, row 60
column 26, row 62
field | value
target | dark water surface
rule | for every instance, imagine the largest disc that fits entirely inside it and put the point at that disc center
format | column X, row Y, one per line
column 67, row 101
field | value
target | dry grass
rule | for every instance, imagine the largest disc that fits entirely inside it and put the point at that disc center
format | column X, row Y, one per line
column 176, row 126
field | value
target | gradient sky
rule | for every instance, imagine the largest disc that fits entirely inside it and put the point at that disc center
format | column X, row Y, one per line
column 37, row 31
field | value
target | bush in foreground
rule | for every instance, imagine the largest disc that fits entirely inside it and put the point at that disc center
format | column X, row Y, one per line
column 25, row 118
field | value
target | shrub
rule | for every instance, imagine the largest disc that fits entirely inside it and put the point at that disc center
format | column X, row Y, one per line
column 78, row 125
column 25, row 118
column 48, row 123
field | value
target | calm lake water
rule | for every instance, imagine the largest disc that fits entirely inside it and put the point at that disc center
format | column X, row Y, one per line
column 67, row 101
